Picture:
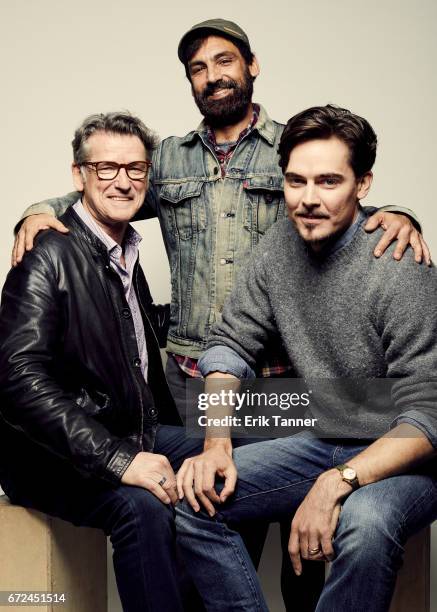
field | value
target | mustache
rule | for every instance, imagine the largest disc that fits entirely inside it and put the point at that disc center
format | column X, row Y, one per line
column 211, row 88
column 312, row 215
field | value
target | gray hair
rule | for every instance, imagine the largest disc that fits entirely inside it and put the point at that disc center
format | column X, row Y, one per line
column 117, row 123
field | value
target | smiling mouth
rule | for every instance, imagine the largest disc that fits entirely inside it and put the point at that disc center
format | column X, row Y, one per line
column 220, row 93
column 120, row 198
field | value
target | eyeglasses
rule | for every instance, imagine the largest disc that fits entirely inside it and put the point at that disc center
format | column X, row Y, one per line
column 108, row 171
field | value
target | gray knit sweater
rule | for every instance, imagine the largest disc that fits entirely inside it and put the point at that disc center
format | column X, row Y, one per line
column 346, row 315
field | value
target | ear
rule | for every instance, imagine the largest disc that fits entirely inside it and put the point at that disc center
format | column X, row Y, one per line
column 364, row 185
column 78, row 181
column 254, row 68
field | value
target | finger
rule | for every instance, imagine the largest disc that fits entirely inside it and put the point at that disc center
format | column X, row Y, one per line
column 230, row 482
column 403, row 240
column 294, row 552
column 14, row 253
column 198, row 488
column 416, row 245
column 57, row 225
column 304, row 546
column 188, row 490
column 157, row 490
column 373, row 222
column 170, row 488
column 327, row 537
column 315, row 551
column 31, row 231
column 209, row 474
column 19, row 246
column 426, row 251
column 386, row 239
column 180, row 478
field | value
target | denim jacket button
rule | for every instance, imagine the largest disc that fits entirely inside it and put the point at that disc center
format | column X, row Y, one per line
column 136, row 362
column 126, row 313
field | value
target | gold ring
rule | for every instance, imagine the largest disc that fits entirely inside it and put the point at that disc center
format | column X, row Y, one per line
column 314, row 551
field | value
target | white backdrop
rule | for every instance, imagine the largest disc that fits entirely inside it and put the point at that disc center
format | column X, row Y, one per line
column 61, row 61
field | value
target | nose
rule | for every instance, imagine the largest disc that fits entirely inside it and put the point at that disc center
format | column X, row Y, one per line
column 213, row 73
column 310, row 197
column 122, row 180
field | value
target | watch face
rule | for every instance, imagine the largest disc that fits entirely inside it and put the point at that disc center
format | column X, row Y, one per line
column 349, row 473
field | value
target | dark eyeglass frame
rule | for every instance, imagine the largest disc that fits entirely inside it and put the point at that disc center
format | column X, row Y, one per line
column 117, row 167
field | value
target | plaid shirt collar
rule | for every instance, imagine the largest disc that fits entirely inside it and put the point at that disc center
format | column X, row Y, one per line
column 255, row 114
column 224, row 150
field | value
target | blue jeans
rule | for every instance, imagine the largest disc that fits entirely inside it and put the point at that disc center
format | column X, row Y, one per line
column 274, row 477
column 298, row 592
column 141, row 527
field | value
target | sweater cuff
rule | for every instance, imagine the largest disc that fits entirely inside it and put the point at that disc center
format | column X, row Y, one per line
column 224, row 359
column 421, row 422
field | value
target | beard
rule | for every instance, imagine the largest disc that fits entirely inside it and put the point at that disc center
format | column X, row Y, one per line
column 228, row 110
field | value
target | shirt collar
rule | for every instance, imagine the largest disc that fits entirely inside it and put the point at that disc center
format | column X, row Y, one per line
column 131, row 237
column 345, row 238
column 264, row 126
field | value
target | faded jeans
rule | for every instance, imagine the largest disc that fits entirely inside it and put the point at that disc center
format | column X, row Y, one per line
column 274, row 477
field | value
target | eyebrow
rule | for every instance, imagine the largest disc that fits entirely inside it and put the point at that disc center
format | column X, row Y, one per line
column 215, row 58
column 335, row 175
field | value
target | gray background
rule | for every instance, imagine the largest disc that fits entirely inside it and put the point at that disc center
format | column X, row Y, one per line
column 62, row 60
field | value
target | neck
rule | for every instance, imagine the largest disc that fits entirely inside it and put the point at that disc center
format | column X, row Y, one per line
column 230, row 133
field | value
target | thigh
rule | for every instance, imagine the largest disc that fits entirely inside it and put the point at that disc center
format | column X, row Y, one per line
column 86, row 502
column 173, row 442
column 399, row 506
column 274, row 476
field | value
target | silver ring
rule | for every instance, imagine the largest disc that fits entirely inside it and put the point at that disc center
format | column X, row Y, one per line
column 162, row 481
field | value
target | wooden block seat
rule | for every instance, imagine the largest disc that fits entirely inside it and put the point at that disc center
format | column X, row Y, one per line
column 42, row 553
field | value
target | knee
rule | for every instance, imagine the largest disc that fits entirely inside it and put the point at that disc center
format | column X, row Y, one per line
column 139, row 509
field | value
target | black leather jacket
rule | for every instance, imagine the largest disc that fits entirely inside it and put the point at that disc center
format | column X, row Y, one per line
column 70, row 382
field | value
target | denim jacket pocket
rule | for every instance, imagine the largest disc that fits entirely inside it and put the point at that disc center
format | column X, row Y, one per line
column 264, row 202
column 184, row 208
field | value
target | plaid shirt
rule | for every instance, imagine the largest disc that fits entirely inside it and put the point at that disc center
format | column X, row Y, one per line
column 224, row 150
column 273, row 368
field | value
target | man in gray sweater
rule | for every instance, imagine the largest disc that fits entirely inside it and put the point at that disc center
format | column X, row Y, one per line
column 341, row 314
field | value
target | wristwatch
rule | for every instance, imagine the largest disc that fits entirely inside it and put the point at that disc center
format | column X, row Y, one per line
column 349, row 475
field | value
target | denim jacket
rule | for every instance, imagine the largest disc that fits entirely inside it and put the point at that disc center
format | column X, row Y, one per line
column 210, row 223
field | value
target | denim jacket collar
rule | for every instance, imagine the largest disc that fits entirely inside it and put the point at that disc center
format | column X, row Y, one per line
column 264, row 125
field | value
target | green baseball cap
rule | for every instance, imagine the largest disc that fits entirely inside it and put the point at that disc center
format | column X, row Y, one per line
column 220, row 26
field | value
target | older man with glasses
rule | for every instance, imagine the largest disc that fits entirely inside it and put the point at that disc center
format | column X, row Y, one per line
column 88, row 427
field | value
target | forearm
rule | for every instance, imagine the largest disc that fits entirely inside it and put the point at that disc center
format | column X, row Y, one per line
column 397, row 452
column 219, row 438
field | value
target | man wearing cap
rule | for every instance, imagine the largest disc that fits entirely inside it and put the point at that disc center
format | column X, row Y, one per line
column 216, row 191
